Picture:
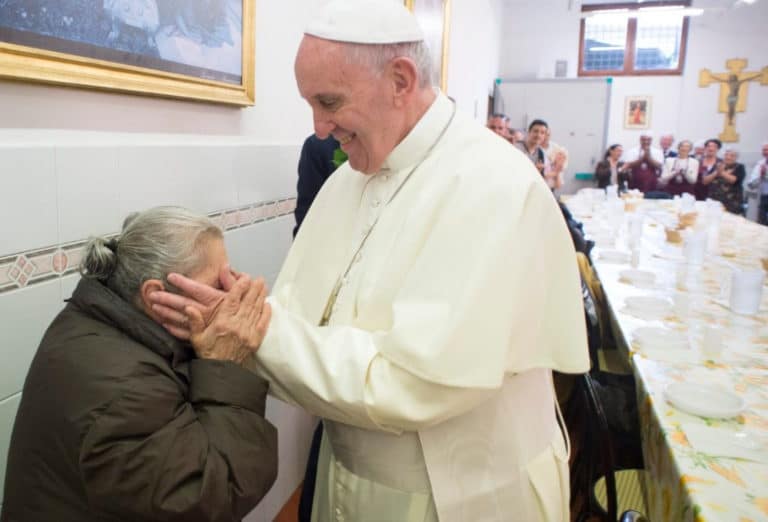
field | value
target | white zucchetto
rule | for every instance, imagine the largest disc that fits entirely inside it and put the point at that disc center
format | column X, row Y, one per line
column 365, row 22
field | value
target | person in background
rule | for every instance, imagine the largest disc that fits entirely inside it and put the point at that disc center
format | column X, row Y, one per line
column 531, row 146
column 727, row 184
column 409, row 365
column 557, row 157
column 516, row 136
column 499, row 124
column 680, row 171
column 758, row 180
column 698, row 150
column 665, row 142
column 121, row 421
column 707, row 168
column 315, row 166
column 610, row 169
column 644, row 164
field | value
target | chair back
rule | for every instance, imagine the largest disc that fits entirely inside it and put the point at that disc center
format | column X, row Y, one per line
column 595, row 458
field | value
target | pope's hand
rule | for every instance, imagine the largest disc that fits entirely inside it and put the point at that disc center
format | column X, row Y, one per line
column 220, row 325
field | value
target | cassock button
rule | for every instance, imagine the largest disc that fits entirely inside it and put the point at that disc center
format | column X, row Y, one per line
column 375, row 203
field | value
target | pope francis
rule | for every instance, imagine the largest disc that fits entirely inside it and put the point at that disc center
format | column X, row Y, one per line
column 428, row 296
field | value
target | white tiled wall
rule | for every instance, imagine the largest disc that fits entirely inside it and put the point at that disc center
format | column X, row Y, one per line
column 55, row 192
column 28, row 214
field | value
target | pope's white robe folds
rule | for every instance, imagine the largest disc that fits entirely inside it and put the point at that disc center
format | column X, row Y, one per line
column 433, row 375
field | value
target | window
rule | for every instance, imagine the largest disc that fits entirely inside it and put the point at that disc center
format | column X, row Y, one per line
column 633, row 39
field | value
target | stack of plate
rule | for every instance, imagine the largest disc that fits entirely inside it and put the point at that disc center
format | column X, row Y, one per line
column 641, row 278
column 648, row 307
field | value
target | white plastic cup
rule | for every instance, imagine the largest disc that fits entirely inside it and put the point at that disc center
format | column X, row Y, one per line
column 695, row 247
column 634, row 230
column 711, row 340
column 746, row 291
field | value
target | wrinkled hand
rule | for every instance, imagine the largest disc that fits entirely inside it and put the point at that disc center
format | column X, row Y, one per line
column 225, row 325
column 238, row 326
column 170, row 307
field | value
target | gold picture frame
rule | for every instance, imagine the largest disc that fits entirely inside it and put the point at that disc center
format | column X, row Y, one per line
column 26, row 55
column 434, row 16
column 637, row 112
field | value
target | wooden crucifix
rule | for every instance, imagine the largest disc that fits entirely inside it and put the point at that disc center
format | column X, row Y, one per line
column 733, row 91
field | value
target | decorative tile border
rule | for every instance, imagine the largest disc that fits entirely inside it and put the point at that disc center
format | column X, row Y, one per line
column 43, row 264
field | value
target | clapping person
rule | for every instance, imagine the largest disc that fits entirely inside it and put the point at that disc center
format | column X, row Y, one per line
column 758, row 180
column 726, row 185
column 680, row 171
column 707, row 168
column 644, row 164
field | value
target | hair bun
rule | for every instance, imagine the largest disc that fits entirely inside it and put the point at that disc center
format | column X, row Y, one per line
column 100, row 259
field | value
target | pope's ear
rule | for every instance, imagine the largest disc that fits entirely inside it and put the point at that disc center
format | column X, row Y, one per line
column 405, row 78
column 147, row 288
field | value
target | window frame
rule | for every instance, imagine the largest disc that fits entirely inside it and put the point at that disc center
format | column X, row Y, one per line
column 629, row 44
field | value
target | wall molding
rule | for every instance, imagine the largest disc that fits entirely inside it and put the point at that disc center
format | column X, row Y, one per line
column 39, row 265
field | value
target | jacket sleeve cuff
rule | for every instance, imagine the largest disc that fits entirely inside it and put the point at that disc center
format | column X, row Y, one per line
column 225, row 382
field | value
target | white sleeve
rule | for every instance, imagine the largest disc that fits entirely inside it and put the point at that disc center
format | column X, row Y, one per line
column 666, row 171
column 754, row 176
column 457, row 327
column 692, row 173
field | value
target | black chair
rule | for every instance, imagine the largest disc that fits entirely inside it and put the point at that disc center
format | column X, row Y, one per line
column 600, row 412
column 598, row 490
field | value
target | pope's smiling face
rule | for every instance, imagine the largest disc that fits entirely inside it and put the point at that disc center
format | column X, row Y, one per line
column 350, row 101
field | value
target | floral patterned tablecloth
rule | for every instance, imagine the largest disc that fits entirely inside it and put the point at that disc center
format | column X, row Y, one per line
column 685, row 483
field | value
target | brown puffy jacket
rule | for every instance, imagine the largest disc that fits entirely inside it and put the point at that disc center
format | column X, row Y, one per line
column 118, row 421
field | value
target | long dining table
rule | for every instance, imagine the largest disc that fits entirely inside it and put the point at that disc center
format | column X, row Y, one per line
column 672, row 317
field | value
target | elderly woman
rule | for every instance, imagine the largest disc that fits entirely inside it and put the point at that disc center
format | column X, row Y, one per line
column 679, row 173
column 120, row 421
column 726, row 185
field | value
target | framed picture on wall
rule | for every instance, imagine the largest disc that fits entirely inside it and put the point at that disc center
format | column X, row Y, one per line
column 192, row 49
column 637, row 112
column 434, row 17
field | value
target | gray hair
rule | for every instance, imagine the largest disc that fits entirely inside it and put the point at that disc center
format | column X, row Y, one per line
column 377, row 56
column 732, row 150
column 689, row 142
column 153, row 244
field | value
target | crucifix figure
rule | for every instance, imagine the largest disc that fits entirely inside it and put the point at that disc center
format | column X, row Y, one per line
column 733, row 91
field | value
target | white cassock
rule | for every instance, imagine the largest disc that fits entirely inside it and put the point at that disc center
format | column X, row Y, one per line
column 433, row 374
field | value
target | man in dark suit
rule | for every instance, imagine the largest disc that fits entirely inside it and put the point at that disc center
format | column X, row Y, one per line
column 666, row 141
column 315, row 166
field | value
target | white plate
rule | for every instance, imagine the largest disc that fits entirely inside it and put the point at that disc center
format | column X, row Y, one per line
column 653, row 337
column 614, row 256
column 704, row 400
column 637, row 277
column 649, row 305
